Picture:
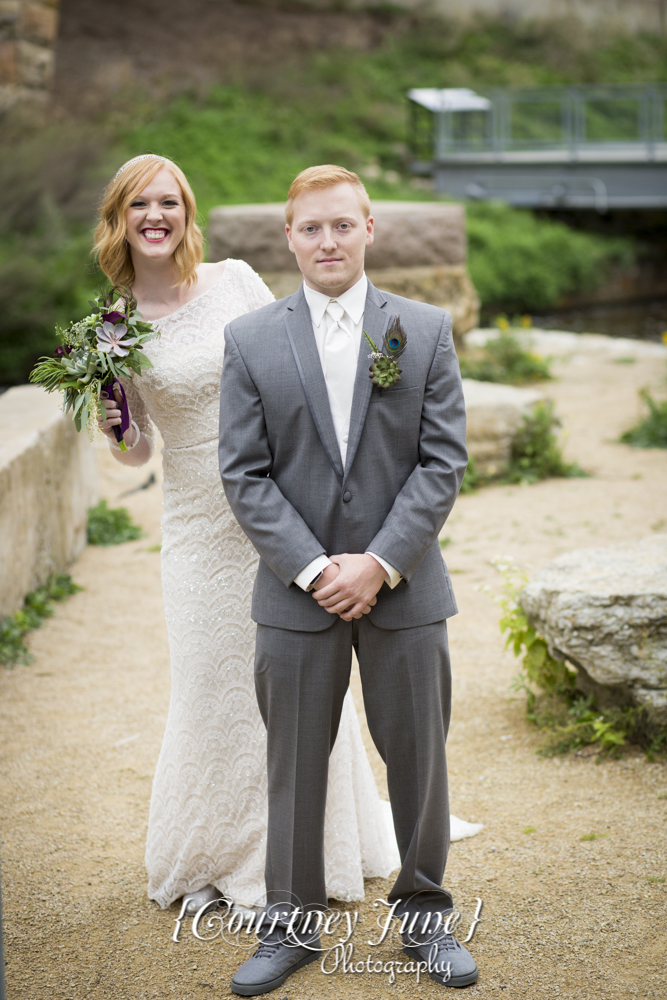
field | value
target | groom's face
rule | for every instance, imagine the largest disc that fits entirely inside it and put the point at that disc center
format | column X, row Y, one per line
column 329, row 235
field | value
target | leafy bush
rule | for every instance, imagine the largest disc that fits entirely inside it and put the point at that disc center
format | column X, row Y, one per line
column 472, row 479
column 111, row 525
column 520, row 261
column 535, row 453
column 505, row 359
column 37, row 606
column 554, row 703
column 651, row 432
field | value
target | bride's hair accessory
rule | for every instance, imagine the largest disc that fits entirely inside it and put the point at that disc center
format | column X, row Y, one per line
column 384, row 371
column 135, row 159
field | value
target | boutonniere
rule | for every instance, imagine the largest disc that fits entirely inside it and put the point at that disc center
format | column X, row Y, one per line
column 385, row 371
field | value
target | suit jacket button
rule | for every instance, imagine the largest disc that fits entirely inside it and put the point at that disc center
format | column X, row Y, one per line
column 347, row 496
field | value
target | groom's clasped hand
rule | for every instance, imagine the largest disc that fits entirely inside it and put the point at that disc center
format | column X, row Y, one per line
column 349, row 586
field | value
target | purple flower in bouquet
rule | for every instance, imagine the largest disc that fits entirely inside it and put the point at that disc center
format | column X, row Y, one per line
column 112, row 317
column 111, row 338
column 65, row 349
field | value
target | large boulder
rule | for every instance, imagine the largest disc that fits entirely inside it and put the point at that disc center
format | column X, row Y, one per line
column 605, row 611
column 419, row 252
column 494, row 414
column 407, row 234
column 48, row 480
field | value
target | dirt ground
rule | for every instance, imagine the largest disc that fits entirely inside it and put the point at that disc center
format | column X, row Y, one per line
column 562, row 916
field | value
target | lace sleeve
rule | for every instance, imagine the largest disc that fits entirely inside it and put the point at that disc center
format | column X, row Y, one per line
column 258, row 294
column 139, row 415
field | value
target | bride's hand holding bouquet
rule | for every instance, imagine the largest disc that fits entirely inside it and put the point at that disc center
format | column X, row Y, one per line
column 93, row 355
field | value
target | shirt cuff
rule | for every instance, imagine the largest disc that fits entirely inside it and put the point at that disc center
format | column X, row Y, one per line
column 309, row 572
column 393, row 576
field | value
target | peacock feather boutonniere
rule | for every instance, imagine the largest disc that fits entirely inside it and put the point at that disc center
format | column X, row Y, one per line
column 384, row 372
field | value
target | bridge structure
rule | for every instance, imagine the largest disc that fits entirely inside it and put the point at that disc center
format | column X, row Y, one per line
column 591, row 146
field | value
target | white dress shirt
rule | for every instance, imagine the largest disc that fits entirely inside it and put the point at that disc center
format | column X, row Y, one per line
column 353, row 301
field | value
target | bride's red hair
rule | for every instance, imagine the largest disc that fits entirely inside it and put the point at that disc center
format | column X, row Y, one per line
column 111, row 248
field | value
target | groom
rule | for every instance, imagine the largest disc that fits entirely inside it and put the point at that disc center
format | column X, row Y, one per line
column 343, row 486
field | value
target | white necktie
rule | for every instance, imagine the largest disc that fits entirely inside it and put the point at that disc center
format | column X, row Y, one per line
column 340, row 358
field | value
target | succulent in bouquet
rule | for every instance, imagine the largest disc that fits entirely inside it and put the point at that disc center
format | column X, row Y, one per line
column 93, row 355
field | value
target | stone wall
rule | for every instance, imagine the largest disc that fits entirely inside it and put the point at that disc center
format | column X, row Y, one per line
column 48, row 479
column 28, row 30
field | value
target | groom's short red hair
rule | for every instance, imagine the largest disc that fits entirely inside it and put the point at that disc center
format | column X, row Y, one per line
column 324, row 176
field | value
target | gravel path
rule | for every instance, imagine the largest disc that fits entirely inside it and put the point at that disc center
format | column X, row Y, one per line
column 562, row 916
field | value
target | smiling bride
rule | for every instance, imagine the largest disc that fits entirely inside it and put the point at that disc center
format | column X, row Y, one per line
column 208, row 813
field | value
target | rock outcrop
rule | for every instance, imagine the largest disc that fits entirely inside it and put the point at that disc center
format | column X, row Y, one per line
column 494, row 414
column 605, row 611
column 48, row 480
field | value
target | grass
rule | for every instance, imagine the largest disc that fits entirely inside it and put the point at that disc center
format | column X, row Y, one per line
column 505, row 359
column 651, row 432
column 570, row 720
column 111, row 525
column 244, row 142
column 37, row 606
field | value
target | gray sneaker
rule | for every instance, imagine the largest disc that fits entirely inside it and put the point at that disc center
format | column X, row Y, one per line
column 449, row 963
column 269, row 967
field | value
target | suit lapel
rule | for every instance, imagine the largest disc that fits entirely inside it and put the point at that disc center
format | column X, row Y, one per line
column 376, row 321
column 299, row 328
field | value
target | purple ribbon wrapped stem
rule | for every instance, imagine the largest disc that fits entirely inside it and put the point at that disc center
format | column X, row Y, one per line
column 119, row 432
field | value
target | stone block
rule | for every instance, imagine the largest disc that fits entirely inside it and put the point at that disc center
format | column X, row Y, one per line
column 605, row 611
column 35, row 65
column 494, row 414
column 9, row 72
column 38, row 23
column 48, row 480
column 407, row 234
column 449, row 287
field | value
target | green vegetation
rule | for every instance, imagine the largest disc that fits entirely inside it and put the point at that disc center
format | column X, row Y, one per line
column 651, row 432
column 111, row 525
column 505, row 359
column 472, row 478
column 521, row 262
column 571, row 720
column 245, row 142
column 536, row 453
column 37, row 606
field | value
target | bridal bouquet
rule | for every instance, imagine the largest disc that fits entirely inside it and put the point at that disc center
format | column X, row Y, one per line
column 94, row 353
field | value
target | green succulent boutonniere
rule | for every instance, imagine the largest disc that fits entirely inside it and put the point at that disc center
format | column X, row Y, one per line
column 384, row 371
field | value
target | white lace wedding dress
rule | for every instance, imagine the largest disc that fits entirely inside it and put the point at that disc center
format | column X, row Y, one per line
column 207, row 822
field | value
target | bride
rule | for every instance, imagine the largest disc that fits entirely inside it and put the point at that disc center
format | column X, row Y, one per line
column 207, row 822
column 208, row 812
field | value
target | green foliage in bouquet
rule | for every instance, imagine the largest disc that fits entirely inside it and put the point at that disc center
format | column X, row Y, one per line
column 651, row 432
column 37, row 606
column 111, row 525
column 105, row 345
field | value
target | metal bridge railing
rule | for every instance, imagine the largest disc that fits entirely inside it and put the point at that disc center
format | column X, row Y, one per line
column 447, row 124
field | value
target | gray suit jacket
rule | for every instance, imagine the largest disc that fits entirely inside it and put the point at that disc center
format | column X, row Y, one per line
column 281, row 466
